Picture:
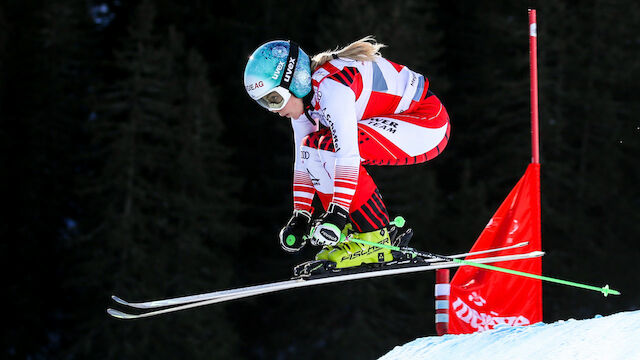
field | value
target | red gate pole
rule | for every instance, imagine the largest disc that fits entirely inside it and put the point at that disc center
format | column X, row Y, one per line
column 533, row 74
column 442, row 301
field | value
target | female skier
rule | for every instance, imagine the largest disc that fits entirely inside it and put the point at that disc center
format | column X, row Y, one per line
column 348, row 108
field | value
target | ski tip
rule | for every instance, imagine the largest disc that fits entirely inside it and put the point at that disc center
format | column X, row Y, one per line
column 119, row 300
column 119, row 314
column 606, row 291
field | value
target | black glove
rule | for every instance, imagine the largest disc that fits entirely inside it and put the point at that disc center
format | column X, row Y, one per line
column 328, row 230
column 293, row 236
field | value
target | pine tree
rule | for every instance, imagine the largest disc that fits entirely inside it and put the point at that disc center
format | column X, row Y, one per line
column 163, row 198
column 45, row 57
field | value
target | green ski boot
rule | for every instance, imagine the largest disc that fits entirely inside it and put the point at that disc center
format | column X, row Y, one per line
column 351, row 253
column 324, row 253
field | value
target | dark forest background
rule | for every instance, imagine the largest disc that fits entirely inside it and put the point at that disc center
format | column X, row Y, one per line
column 135, row 164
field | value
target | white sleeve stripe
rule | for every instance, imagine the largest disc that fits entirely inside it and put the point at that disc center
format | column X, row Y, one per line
column 347, row 171
column 300, row 194
column 345, row 191
column 353, row 182
column 343, row 199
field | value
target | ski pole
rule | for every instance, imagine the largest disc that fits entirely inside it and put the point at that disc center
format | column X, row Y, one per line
column 605, row 290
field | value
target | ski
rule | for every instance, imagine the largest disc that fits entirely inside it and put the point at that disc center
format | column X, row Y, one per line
column 228, row 295
column 216, row 294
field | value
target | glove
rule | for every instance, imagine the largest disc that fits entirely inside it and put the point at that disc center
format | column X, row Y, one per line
column 293, row 236
column 328, row 230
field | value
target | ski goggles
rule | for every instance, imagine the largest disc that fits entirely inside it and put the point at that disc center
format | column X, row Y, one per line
column 275, row 99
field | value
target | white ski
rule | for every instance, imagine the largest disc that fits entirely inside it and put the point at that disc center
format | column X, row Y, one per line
column 216, row 294
column 227, row 295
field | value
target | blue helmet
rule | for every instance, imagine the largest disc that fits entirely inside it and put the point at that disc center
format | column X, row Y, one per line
column 278, row 64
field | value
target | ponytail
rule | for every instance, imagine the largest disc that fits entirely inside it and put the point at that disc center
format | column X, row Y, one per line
column 365, row 49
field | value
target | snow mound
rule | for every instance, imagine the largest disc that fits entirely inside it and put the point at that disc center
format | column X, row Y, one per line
column 601, row 338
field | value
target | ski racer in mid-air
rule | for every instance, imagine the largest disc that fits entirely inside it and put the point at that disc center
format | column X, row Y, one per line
column 349, row 108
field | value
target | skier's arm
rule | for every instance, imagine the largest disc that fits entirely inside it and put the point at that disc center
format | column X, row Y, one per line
column 340, row 113
column 338, row 106
column 303, row 190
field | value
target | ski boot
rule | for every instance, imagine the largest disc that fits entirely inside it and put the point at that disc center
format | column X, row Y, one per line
column 321, row 265
column 324, row 253
column 359, row 257
column 351, row 253
column 348, row 255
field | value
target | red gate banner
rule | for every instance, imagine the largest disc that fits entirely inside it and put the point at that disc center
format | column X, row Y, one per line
column 481, row 299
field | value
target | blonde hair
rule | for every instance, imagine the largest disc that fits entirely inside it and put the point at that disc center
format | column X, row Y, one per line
column 365, row 49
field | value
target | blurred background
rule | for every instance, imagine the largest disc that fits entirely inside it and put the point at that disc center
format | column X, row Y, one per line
column 135, row 164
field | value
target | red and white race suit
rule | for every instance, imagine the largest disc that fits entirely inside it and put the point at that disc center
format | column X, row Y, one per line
column 365, row 113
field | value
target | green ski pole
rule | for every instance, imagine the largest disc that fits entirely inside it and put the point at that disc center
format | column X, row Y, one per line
column 399, row 221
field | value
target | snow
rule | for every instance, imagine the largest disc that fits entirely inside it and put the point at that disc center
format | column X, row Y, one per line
column 601, row 338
